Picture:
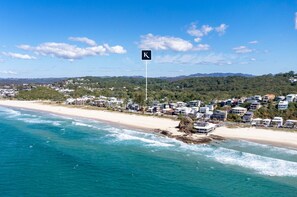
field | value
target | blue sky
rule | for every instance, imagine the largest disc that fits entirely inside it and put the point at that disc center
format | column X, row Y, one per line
column 63, row 38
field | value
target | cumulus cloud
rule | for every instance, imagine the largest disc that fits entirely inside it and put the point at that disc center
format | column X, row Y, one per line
column 242, row 49
column 150, row 41
column 83, row 40
column 8, row 72
column 254, row 42
column 204, row 30
column 71, row 52
column 115, row 49
column 197, row 59
column 19, row 56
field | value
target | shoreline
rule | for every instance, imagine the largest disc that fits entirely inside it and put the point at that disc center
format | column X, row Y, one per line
column 158, row 124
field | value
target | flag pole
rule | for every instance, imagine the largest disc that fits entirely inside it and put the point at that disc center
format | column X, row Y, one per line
column 146, row 80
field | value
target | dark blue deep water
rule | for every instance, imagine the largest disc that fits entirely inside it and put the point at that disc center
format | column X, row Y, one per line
column 47, row 155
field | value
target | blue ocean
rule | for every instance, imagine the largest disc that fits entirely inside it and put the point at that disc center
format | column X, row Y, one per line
column 48, row 155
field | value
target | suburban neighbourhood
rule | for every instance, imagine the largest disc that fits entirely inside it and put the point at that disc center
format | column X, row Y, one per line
column 207, row 115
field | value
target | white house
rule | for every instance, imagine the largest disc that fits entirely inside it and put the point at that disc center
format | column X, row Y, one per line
column 277, row 121
column 204, row 127
column 291, row 97
column 239, row 111
column 204, row 109
column 283, row 105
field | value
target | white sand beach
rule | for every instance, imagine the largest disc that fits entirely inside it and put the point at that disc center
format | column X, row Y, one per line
column 280, row 138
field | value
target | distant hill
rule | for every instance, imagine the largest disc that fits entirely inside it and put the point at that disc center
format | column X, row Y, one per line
column 208, row 75
column 4, row 81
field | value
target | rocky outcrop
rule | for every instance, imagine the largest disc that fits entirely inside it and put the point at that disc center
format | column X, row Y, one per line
column 186, row 125
column 190, row 139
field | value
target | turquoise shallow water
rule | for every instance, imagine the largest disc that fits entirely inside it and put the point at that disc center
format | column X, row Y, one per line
column 47, row 155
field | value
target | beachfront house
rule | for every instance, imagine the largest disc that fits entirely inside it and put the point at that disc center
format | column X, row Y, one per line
column 290, row 124
column 257, row 122
column 277, row 122
column 283, row 105
column 255, row 105
column 204, row 127
column 248, row 116
column 219, row 115
column 266, row 122
column 70, row 101
column 239, row 111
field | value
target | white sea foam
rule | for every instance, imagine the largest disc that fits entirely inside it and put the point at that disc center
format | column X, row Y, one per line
column 247, row 144
column 39, row 121
column 260, row 164
column 130, row 135
column 11, row 113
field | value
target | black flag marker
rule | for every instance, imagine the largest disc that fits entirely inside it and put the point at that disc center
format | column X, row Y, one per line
column 146, row 54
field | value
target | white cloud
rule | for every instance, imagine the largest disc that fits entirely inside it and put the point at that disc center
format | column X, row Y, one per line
column 201, row 47
column 115, row 49
column 150, row 41
column 221, row 29
column 195, row 59
column 254, row 42
column 83, row 40
column 19, row 56
column 253, row 59
column 71, row 52
column 204, row 30
column 296, row 20
column 242, row 49
column 8, row 72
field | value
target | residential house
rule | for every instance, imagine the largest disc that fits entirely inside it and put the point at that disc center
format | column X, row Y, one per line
column 291, row 97
column 239, row 111
column 211, row 107
column 219, row 115
column 204, row 127
column 204, row 109
column 283, row 105
column 290, row 124
column 258, row 97
column 280, row 98
column 266, row 122
column 255, row 105
column 257, row 122
column 277, row 121
column 248, row 116
column 195, row 103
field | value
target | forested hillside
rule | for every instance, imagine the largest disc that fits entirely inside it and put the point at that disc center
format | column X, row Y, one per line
column 204, row 88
